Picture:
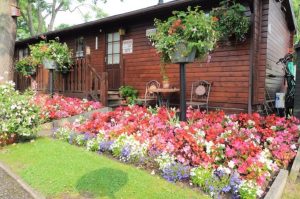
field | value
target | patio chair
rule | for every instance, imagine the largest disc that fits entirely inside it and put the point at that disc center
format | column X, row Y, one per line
column 149, row 95
column 200, row 94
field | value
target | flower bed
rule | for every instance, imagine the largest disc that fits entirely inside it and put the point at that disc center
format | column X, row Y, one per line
column 237, row 154
column 61, row 107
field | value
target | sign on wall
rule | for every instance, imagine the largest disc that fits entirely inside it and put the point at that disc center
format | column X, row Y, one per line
column 127, row 46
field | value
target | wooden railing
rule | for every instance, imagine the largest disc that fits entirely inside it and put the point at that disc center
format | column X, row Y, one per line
column 82, row 81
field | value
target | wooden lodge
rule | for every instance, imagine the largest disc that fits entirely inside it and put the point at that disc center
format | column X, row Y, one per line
column 116, row 51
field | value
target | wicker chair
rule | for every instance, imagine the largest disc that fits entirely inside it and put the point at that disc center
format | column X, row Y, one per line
column 200, row 94
column 149, row 95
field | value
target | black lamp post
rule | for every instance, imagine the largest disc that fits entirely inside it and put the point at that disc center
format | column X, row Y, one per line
column 182, row 58
column 50, row 65
column 51, row 82
column 182, row 92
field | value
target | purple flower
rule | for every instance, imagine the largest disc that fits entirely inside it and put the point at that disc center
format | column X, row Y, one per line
column 126, row 151
column 176, row 172
column 105, row 145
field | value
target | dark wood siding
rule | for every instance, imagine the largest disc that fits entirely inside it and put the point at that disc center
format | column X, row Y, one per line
column 278, row 43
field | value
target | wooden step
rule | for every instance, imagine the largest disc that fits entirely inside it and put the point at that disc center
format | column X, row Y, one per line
column 113, row 92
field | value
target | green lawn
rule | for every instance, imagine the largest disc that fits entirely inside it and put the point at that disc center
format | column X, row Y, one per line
column 292, row 191
column 59, row 170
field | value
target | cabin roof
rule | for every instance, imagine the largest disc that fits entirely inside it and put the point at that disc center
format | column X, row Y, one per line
column 287, row 4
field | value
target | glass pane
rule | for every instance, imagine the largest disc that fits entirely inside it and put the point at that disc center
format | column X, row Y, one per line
column 109, row 48
column 116, row 47
column 116, row 59
column 116, row 36
column 20, row 54
column 109, row 59
column 109, row 38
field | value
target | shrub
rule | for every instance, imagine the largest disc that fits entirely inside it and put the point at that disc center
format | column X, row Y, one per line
column 17, row 115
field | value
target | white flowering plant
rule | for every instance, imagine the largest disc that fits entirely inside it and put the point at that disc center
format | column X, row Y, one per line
column 18, row 117
column 128, row 149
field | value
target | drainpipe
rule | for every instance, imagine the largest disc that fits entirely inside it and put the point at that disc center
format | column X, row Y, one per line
column 251, row 60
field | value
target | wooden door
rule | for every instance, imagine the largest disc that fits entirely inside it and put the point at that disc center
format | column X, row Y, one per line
column 113, row 60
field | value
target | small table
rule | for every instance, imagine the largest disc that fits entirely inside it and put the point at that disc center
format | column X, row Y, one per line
column 164, row 94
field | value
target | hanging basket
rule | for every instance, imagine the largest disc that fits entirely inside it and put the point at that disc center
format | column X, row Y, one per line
column 182, row 55
column 49, row 64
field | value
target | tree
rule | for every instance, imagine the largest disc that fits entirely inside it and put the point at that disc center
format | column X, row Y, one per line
column 296, row 6
column 7, row 39
column 35, row 12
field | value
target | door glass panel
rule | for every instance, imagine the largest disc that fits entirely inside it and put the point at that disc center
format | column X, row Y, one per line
column 109, row 48
column 109, row 39
column 109, row 59
column 116, row 36
column 116, row 47
column 116, row 59
column 113, row 48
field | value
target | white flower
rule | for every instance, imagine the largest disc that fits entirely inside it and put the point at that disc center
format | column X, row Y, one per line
column 293, row 146
column 231, row 164
column 251, row 122
column 273, row 128
column 270, row 139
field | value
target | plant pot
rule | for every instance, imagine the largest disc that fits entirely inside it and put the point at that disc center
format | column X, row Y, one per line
column 166, row 84
column 49, row 63
column 32, row 72
column 182, row 55
column 11, row 138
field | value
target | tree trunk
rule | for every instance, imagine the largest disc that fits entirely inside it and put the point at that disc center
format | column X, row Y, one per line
column 8, row 26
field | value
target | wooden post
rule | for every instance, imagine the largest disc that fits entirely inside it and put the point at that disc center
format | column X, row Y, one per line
column 104, row 88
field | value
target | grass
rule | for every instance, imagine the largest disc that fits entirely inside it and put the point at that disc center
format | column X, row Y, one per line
column 59, row 170
column 291, row 191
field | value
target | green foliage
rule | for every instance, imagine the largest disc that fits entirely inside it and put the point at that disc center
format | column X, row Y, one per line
column 247, row 191
column 193, row 28
column 35, row 13
column 52, row 50
column 296, row 6
column 231, row 21
column 200, row 176
column 17, row 114
column 129, row 93
column 26, row 66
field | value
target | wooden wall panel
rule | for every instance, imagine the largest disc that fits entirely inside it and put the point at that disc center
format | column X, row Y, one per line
column 278, row 42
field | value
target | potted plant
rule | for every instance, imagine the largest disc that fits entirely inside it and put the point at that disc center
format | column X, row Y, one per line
column 26, row 66
column 53, row 55
column 129, row 93
column 231, row 22
column 165, row 78
column 184, row 36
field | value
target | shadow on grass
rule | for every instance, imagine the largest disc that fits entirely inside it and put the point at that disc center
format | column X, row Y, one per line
column 102, row 182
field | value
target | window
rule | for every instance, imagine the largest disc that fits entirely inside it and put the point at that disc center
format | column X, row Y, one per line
column 113, row 48
column 80, row 47
column 23, row 52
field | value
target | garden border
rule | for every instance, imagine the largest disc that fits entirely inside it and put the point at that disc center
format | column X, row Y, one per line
column 47, row 128
column 295, row 167
column 277, row 187
column 25, row 186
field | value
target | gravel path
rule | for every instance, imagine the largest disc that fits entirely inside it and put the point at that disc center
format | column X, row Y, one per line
column 10, row 189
